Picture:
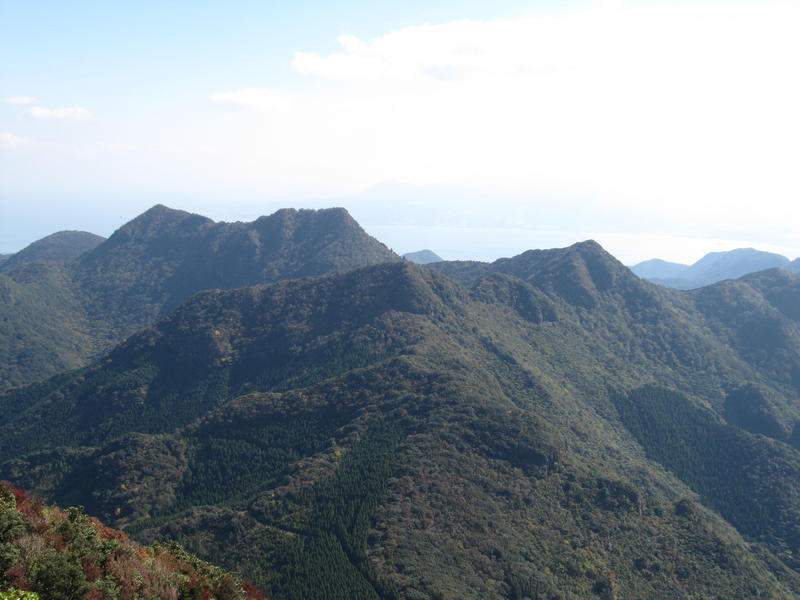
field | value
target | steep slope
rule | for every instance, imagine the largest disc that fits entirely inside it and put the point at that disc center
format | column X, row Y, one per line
column 65, row 555
column 62, row 245
column 390, row 433
column 155, row 262
column 217, row 346
column 162, row 257
column 42, row 326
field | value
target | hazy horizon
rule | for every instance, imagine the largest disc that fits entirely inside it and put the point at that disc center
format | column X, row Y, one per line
column 487, row 243
column 476, row 129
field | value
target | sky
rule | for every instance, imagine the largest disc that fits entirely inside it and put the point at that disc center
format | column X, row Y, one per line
column 476, row 129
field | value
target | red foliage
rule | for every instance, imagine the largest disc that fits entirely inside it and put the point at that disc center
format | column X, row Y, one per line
column 169, row 562
column 91, row 570
column 19, row 495
column 129, row 564
column 17, row 577
column 252, row 592
column 124, row 569
column 107, row 533
column 55, row 541
column 30, row 506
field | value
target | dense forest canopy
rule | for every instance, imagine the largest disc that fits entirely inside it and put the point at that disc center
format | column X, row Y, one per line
column 544, row 426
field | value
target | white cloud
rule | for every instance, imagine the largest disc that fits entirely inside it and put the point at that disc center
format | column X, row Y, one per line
column 23, row 100
column 15, row 142
column 72, row 113
column 255, row 98
column 679, row 118
column 687, row 107
column 121, row 147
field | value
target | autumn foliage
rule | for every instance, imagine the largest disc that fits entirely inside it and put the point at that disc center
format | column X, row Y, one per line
column 66, row 555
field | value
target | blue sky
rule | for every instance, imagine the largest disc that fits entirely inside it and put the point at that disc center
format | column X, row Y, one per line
column 659, row 128
column 164, row 51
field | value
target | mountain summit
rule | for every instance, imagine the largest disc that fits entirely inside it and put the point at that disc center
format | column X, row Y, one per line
column 552, row 427
column 152, row 264
column 62, row 245
column 162, row 257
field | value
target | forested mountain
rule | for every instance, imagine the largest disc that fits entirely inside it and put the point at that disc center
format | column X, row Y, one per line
column 545, row 426
column 57, row 315
column 54, row 554
column 713, row 267
column 422, row 257
column 62, row 245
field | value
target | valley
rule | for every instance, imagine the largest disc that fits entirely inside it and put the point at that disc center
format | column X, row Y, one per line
column 545, row 426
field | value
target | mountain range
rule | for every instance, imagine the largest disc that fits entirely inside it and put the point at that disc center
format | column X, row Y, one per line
column 713, row 267
column 70, row 297
column 545, row 426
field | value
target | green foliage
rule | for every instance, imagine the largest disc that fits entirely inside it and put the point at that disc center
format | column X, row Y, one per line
column 18, row 595
column 42, row 331
column 388, row 433
column 62, row 245
column 60, row 314
column 329, row 561
column 752, row 481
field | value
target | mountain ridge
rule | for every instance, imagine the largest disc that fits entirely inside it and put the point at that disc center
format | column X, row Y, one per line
column 713, row 267
column 62, row 245
column 461, row 415
column 152, row 264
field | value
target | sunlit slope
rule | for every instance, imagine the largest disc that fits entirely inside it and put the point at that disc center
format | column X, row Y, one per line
column 557, row 427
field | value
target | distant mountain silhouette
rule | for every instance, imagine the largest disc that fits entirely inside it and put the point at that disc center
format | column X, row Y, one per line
column 549, row 425
column 655, row 268
column 422, row 257
column 58, row 314
column 62, row 245
column 713, row 267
